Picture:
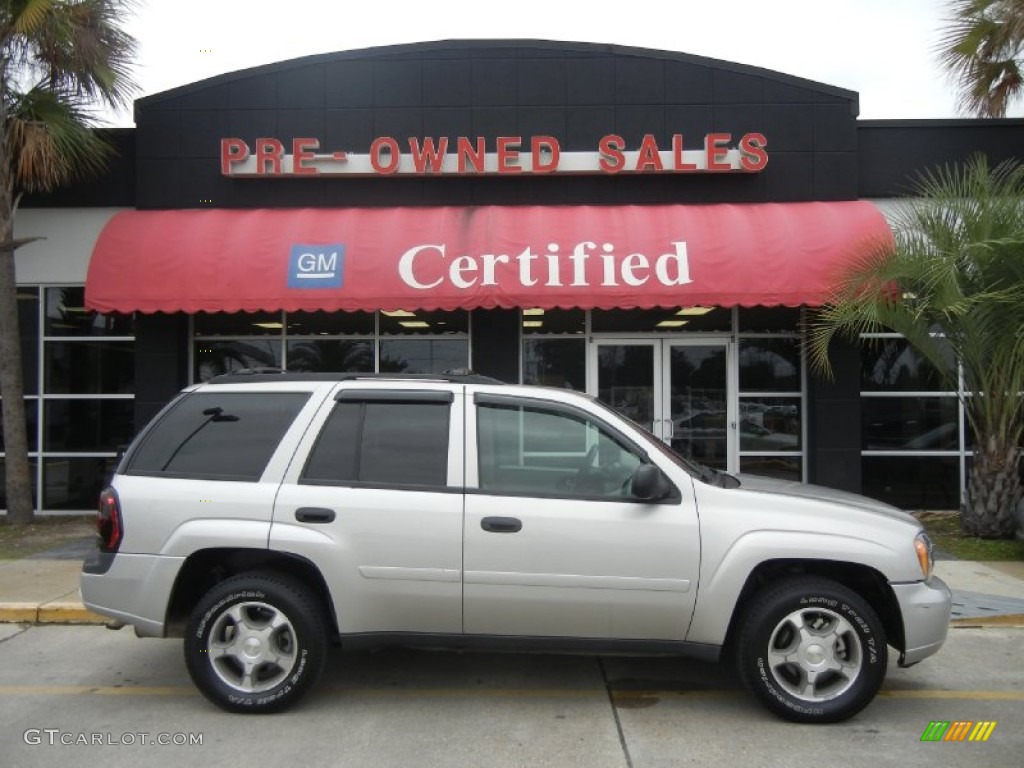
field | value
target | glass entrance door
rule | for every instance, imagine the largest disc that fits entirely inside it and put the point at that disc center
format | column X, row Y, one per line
column 679, row 390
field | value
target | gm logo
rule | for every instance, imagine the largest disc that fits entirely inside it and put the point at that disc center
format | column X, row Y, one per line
column 316, row 266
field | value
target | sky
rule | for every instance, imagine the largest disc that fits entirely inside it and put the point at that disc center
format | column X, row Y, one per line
column 883, row 49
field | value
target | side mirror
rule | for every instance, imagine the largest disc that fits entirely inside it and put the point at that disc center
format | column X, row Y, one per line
column 649, row 483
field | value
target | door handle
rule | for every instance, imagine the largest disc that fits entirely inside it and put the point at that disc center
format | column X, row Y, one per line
column 502, row 524
column 314, row 515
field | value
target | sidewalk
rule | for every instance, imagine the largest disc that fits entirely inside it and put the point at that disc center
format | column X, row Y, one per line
column 43, row 589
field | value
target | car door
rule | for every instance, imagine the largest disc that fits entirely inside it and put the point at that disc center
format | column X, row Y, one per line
column 374, row 501
column 555, row 544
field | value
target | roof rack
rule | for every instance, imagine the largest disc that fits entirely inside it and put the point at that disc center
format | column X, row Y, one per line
column 452, row 376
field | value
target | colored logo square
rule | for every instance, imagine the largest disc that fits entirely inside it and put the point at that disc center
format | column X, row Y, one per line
column 316, row 266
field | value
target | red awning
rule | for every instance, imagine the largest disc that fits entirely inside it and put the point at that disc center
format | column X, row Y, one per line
column 492, row 256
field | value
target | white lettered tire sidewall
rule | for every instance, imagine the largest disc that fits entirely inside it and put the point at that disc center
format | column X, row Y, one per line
column 770, row 607
column 293, row 601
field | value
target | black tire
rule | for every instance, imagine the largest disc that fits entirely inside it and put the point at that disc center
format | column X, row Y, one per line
column 811, row 650
column 256, row 643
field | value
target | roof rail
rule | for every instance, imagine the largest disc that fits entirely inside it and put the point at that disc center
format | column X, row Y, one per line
column 453, row 376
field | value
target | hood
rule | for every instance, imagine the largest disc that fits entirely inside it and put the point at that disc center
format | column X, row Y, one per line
column 821, row 493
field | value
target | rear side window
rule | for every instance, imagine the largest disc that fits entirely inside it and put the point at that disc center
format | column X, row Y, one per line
column 382, row 443
column 217, row 435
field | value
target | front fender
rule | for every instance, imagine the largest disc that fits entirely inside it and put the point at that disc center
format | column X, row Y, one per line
column 722, row 580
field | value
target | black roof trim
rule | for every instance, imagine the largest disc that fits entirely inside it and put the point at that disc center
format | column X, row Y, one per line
column 946, row 122
column 424, row 49
column 260, row 375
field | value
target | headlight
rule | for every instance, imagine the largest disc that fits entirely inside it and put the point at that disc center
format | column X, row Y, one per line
column 925, row 557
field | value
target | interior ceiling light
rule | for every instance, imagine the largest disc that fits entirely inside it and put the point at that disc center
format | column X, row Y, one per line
column 532, row 312
column 413, row 324
column 694, row 311
column 275, row 326
column 671, row 323
column 532, row 323
column 399, row 313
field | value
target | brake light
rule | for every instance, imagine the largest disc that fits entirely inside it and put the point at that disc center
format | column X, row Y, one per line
column 108, row 521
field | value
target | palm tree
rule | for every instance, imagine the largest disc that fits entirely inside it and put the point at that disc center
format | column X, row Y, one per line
column 56, row 58
column 981, row 48
column 952, row 281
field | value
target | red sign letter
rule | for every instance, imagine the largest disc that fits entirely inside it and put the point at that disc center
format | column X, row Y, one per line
column 232, row 151
column 470, row 155
column 304, row 149
column 428, row 154
column 753, row 155
column 610, row 148
column 712, row 146
column 508, row 154
column 649, row 154
column 269, row 151
column 385, row 148
column 677, row 155
column 540, row 145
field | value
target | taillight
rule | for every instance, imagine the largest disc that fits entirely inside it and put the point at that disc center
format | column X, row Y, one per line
column 108, row 521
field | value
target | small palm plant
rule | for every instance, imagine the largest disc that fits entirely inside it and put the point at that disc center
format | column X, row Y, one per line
column 952, row 282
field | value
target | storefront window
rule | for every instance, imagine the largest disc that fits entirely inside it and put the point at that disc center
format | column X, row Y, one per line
column 28, row 329
column 892, row 365
column 75, row 483
column 551, row 321
column 88, row 368
column 323, row 355
column 79, row 377
column 213, row 358
column 770, row 424
column 780, row 467
column 769, row 320
column 66, row 315
column 423, row 355
column 769, row 365
column 88, row 425
column 555, row 363
column 910, row 423
column 913, row 482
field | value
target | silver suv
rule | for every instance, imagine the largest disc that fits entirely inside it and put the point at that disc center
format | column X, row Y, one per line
column 261, row 516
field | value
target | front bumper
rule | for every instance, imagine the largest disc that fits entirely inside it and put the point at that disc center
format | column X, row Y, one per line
column 925, row 607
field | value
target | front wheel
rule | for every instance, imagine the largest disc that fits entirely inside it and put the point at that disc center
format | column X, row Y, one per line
column 812, row 650
column 255, row 643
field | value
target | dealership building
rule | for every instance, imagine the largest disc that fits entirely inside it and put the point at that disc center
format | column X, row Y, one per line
column 646, row 226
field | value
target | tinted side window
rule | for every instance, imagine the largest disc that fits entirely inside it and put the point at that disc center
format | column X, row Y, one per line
column 540, row 452
column 218, row 435
column 382, row 443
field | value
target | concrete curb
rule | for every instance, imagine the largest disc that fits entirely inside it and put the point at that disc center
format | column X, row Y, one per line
column 1015, row 621
column 57, row 612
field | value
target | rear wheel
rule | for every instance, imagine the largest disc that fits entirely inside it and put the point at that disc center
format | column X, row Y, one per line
column 812, row 650
column 255, row 643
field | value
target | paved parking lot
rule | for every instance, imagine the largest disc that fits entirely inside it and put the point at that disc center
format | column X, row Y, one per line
column 408, row 708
